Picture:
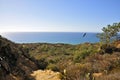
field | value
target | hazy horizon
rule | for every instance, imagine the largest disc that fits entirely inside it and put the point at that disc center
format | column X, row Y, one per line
column 57, row 15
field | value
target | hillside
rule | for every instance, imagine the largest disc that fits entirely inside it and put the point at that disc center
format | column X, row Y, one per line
column 89, row 61
column 78, row 62
column 14, row 64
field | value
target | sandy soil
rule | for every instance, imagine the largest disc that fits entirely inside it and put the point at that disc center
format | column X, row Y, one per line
column 46, row 75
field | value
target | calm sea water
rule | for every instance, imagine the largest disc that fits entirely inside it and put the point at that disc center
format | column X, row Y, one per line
column 51, row 37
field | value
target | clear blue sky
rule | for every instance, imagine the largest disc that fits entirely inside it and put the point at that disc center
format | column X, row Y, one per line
column 58, row 15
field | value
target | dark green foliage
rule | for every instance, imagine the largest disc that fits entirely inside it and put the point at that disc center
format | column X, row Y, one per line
column 85, row 50
column 42, row 63
column 52, row 67
column 81, row 55
column 109, row 33
column 105, row 48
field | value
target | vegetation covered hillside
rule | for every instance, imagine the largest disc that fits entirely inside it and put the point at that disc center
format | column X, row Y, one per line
column 77, row 62
column 14, row 64
column 74, row 62
column 87, row 61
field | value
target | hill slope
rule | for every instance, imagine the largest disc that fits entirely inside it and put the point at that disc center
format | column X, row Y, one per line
column 14, row 64
column 74, row 62
column 78, row 62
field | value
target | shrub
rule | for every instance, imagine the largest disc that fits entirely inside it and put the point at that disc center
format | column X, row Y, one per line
column 76, row 72
column 80, row 55
column 84, row 52
column 52, row 67
column 42, row 63
column 107, row 48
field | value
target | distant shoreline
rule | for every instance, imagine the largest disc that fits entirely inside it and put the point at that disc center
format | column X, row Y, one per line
column 72, row 38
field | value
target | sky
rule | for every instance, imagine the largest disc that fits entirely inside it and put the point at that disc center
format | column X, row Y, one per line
column 57, row 15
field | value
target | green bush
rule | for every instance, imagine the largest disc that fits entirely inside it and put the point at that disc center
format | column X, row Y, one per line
column 84, row 52
column 52, row 67
column 107, row 48
column 80, row 55
column 42, row 63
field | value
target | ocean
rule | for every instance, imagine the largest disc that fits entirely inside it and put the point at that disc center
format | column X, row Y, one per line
column 51, row 37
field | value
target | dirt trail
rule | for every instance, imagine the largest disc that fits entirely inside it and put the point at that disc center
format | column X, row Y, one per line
column 46, row 75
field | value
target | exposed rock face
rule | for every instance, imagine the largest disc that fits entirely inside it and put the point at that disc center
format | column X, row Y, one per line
column 14, row 64
column 46, row 75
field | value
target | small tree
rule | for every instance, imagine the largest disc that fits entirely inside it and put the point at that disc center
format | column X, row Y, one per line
column 109, row 33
